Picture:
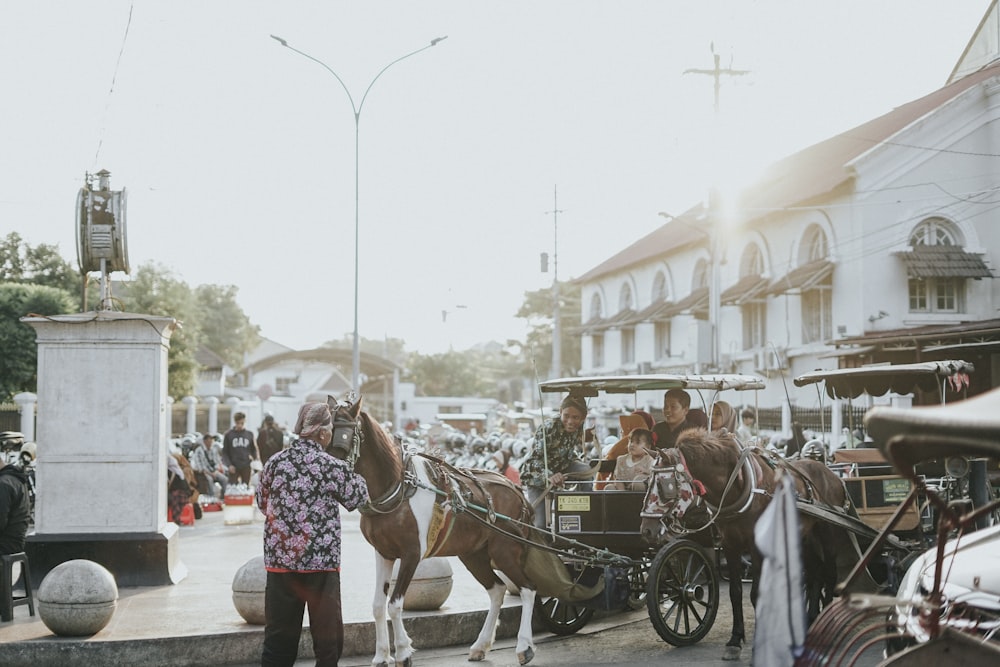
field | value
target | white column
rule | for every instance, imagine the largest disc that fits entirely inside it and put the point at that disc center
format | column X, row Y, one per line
column 213, row 414
column 26, row 403
column 191, row 423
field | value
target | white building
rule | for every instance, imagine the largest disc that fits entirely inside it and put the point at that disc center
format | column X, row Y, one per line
column 876, row 245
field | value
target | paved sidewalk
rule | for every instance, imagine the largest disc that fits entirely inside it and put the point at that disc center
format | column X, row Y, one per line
column 195, row 623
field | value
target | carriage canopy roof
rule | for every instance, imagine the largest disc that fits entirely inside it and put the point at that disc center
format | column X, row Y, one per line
column 629, row 384
column 877, row 380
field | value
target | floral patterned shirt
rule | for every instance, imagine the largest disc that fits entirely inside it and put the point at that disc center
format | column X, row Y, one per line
column 300, row 492
column 563, row 449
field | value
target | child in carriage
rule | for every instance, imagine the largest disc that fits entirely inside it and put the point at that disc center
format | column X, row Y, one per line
column 633, row 470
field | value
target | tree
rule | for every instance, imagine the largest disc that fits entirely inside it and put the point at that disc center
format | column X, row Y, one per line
column 18, row 348
column 154, row 290
column 39, row 265
column 537, row 308
column 225, row 328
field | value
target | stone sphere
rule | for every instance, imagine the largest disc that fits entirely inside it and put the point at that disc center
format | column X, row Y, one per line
column 430, row 587
column 248, row 591
column 77, row 598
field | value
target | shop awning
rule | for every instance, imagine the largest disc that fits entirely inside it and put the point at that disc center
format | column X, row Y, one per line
column 695, row 302
column 943, row 261
column 748, row 287
column 803, row 277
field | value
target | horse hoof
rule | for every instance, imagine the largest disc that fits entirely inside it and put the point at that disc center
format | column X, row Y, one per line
column 408, row 662
column 477, row 656
column 731, row 653
column 525, row 658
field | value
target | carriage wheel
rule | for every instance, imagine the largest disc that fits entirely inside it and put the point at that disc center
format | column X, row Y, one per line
column 682, row 593
column 561, row 618
column 637, row 585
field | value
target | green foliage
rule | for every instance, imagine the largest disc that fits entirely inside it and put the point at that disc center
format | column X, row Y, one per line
column 538, row 308
column 225, row 328
column 39, row 265
column 18, row 349
column 491, row 371
column 154, row 290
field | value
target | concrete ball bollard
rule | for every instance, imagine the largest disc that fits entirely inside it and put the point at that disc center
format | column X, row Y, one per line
column 77, row 598
column 248, row 591
column 430, row 586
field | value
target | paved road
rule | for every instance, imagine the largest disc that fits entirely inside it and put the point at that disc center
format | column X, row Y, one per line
column 625, row 640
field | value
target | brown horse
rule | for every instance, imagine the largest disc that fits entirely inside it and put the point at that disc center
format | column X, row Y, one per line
column 421, row 507
column 709, row 480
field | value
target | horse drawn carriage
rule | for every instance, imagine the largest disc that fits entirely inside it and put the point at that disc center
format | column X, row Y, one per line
column 947, row 606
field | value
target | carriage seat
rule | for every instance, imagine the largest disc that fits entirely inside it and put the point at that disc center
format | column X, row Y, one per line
column 912, row 435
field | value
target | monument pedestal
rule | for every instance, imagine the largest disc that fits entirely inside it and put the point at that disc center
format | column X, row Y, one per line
column 102, row 467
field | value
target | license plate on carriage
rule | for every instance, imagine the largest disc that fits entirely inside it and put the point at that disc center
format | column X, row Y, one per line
column 569, row 524
column 573, row 504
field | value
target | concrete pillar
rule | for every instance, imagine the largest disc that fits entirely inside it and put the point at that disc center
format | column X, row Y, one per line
column 168, row 423
column 102, row 404
column 836, row 423
column 191, row 416
column 26, row 403
column 213, row 414
column 234, row 407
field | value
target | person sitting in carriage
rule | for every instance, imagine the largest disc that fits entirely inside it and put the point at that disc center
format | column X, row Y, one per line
column 676, row 404
column 558, row 451
column 633, row 470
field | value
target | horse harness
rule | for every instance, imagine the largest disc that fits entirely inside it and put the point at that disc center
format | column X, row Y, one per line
column 676, row 490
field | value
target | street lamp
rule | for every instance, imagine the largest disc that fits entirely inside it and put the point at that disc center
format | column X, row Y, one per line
column 355, row 350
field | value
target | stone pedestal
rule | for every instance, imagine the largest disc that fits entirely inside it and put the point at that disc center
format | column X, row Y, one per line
column 102, row 406
column 77, row 598
column 430, row 586
column 248, row 591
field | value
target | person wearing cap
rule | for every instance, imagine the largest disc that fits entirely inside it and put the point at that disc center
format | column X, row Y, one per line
column 300, row 493
column 558, row 451
column 676, row 403
column 207, row 464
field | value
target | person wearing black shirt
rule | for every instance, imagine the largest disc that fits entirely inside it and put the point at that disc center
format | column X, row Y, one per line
column 676, row 403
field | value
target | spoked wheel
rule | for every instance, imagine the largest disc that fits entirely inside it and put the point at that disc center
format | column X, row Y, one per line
column 637, row 585
column 561, row 618
column 682, row 593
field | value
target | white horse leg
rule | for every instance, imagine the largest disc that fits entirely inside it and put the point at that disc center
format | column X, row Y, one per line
column 484, row 642
column 383, row 572
column 525, row 641
column 404, row 646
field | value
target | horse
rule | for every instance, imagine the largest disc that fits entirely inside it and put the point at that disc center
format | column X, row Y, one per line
column 731, row 486
column 422, row 507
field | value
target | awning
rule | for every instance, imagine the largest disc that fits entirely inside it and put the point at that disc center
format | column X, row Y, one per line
column 879, row 379
column 596, row 324
column 943, row 261
column 593, row 325
column 839, row 352
column 745, row 289
column 695, row 302
column 803, row 277
column 654, row 312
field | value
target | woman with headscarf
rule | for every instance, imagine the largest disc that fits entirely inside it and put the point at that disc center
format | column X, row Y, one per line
column 723, row 419
column 558, row 451
column 300, row 492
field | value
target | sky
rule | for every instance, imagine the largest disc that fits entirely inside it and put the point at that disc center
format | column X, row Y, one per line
column 558, row 126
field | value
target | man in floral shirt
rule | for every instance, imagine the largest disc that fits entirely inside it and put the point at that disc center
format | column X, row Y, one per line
column 300, row 491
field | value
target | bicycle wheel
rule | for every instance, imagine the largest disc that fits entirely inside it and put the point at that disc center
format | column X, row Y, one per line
column 561, row 618
column 682, row 593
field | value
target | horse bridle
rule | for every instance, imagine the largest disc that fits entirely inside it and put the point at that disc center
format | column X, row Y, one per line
column 673, row 490
column 346, row 438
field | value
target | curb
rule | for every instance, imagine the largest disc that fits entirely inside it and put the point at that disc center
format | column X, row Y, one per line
column 432, row 630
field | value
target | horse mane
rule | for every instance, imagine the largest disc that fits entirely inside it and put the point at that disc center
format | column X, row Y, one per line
column 388, row 456
column 701, row 448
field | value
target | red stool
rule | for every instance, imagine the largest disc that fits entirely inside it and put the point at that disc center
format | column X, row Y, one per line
column 187, row 515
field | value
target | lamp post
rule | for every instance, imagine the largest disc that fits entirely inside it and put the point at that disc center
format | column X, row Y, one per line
column 355, row 350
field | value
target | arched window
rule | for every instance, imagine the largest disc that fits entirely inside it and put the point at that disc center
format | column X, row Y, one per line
column 933, row 231
column 753, row 301
column 595, row 307
column 659, row 288
column 625, row 298
column 817, row 297
column 938, row 267
column 701, row 275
